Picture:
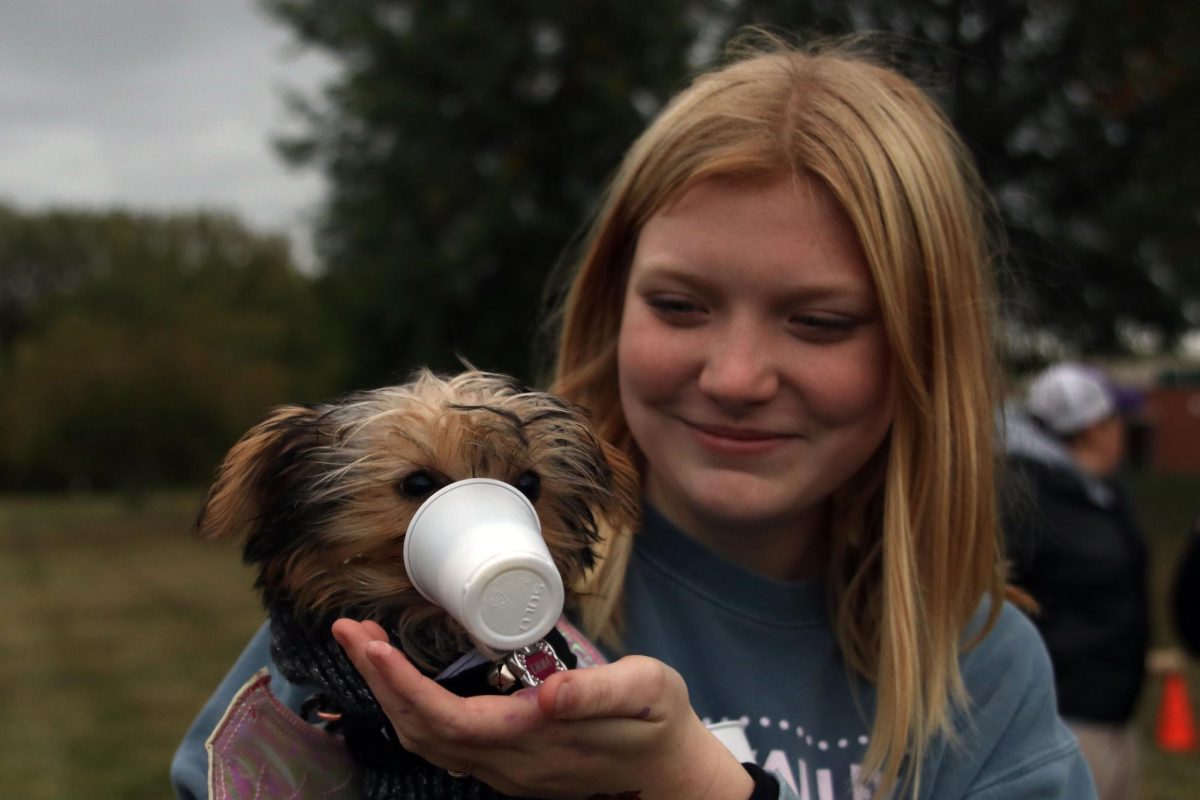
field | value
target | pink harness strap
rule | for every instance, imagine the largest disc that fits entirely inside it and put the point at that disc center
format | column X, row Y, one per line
column 585, row 652
column 260, row 750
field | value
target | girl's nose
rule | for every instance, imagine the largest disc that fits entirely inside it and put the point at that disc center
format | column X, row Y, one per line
column 738, row 369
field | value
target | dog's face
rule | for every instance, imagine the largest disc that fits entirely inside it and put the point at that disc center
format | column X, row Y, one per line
column 323, row 495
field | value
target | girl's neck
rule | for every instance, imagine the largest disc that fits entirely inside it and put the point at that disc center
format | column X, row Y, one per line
column 787, row 550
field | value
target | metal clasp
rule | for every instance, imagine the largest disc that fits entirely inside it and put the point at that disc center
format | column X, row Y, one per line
column 530, row 665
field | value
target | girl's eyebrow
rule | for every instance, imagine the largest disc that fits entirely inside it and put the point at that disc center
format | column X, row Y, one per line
column 698, row 281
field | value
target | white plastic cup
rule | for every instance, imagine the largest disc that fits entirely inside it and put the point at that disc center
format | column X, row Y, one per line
column 475, row 548
column 732, row 734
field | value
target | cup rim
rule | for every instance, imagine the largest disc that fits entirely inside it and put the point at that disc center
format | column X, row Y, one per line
column 428, row 501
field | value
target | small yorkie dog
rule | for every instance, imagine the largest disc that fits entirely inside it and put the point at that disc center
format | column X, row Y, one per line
column 322, row 496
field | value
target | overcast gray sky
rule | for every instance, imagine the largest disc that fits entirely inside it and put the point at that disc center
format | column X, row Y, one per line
column 151, row 105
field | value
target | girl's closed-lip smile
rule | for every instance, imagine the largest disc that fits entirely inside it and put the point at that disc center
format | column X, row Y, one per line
column 739, row 440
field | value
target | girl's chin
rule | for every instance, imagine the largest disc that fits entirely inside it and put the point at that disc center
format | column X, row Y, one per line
column 738, row 504
column 722, row 494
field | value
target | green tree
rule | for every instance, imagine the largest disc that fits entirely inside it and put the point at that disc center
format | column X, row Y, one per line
column 172, row 335
column 1079, row 115
column 41, row 255
column 465, row 141
column 464, row 144
column 1066, row 105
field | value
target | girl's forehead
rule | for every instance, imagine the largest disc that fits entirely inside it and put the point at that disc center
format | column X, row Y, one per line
column 781, row 226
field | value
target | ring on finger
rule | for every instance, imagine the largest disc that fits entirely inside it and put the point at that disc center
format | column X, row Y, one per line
column 464, row 772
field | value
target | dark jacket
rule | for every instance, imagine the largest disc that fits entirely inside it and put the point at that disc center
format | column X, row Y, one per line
column 1185, row 596
column 1075, row 547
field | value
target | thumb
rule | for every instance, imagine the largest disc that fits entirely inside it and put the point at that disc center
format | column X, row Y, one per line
column 635, row 687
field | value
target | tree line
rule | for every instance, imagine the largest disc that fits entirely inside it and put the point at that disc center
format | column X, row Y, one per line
column 134, row 348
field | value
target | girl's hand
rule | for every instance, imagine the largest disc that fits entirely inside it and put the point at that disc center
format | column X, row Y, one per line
column 622, row 729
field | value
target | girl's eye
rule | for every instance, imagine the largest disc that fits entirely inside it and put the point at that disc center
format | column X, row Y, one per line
column 822, row 327
column 419, row 484
column 529, row 483
column 674, row 307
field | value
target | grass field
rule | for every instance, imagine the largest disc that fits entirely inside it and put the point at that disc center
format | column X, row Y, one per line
column 118, row 624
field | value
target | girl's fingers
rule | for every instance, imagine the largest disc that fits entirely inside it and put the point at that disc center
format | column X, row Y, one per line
column 356, row 639
column 634, row 688
column 420, row 707
column 483, row 721
column 352, row 630
column 375, row 630
column 583, row 725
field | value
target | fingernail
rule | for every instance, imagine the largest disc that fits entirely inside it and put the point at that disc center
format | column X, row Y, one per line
column 529, row 693
column 378, row 649
column 562, row 700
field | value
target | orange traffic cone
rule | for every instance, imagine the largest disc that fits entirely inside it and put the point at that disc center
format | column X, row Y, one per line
column 1176, row 731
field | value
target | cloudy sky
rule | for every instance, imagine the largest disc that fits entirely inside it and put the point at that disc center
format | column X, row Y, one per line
column 152, row 105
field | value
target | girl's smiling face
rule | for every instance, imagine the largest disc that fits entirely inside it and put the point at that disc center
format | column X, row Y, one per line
column 755, row 375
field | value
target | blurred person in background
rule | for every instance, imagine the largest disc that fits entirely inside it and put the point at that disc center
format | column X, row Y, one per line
column 1185, row 595
column 1076, row 548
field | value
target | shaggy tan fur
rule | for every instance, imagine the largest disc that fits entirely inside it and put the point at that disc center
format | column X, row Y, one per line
column 318, row 494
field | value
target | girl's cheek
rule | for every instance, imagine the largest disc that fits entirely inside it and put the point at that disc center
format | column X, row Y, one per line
column 654, row 359
column 846, row 384
column 637, row 344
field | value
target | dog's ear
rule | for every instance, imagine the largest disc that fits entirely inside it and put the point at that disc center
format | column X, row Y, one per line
column 235, row 502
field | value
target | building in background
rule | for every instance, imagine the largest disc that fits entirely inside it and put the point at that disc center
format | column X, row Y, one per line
column 1166, row 439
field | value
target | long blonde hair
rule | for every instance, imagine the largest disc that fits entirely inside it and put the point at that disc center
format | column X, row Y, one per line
column 914, row 546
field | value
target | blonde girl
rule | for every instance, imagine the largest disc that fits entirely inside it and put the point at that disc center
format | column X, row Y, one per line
column 783, row 316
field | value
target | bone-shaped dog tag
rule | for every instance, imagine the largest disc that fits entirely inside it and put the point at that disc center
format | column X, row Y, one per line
column 530, row 665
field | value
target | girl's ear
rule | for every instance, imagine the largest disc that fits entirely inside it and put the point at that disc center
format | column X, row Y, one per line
column 235, row 501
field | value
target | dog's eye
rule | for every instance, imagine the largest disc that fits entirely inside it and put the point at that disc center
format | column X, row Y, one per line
column 419, row 484
column 529, row 484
